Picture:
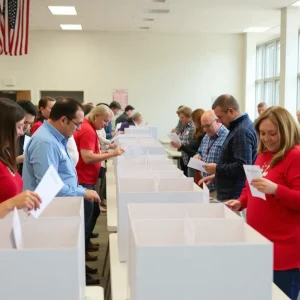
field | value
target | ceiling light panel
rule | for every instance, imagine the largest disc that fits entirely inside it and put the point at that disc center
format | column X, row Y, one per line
column 257, row 29
column 158, row 11
column 71, row 27
column 63, row 10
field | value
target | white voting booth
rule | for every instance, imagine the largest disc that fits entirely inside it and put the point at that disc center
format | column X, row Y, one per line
column 53, row 250
column 197, row 258
column 151, row 190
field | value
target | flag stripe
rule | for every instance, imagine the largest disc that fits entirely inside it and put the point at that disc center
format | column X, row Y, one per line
column 14, row 27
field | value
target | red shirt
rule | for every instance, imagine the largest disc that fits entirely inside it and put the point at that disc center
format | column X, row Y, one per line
column 35, row 127
column 87, row 139
column 278, row 218
column 11, row 183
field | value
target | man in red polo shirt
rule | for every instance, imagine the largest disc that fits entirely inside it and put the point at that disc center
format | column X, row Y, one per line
column 89, row 165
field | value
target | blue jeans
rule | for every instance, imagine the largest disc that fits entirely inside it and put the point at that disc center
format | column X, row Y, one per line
column 91, row 214
column 289, row 282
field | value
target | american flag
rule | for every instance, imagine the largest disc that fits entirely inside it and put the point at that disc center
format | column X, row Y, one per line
column 14, row 23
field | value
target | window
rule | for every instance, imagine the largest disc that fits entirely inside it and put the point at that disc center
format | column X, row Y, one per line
column 267, row 73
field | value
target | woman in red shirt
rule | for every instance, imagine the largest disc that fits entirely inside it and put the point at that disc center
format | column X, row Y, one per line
column 45, row 106
column 277, row 218
column 11, row 126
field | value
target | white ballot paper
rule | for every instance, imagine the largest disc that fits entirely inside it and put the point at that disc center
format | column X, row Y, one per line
column 133, row 151
column 197, row 164
column 254, row 172
column 16, row 233
column 47, row 189
column 113, row 139
column 174, row 137
column 205, row 194
column 118, row 126
column 26, row 141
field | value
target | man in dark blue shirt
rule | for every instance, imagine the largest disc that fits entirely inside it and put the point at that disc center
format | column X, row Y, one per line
column 239, row 148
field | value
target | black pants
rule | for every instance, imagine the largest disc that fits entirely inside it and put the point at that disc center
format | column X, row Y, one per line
column 91, row 214
column 102, row 189
column 183, row 167
column 289, row 282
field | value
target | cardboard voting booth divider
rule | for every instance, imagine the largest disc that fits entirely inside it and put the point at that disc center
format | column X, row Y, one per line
column 51, row 253
column 179, row 259
column 151, row 190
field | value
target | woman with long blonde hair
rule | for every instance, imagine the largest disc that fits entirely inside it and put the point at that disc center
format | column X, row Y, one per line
column 278, row 217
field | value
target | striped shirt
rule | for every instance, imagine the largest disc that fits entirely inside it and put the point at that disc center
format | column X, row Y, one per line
column 210, row 149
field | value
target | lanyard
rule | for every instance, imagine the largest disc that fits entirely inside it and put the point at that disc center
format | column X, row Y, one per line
column 209, row 147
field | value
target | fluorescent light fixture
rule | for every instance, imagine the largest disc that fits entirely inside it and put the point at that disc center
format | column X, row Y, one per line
column 296, row 4
column 257, row 29
column 63, row 10
column 70, row 26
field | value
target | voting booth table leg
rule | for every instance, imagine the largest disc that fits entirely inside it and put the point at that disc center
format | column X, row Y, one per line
column 107, row 286
column 105, row 260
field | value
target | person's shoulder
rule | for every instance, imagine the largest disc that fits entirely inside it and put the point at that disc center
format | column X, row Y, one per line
column 2, row 166
column 294, row 152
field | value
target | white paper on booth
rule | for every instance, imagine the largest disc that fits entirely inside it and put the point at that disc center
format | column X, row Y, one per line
column 133, row 151
column 114, row 138
column 254, row 172
column 26, row 141
column 47, row 189
column 16, row 233
column 174, row 137
column 205, row 193
column 189, row 231
column 197, row 164
column 118, row 126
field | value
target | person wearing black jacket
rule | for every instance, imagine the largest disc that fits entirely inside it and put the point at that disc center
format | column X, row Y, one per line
column 126, row 115
column 191, row 148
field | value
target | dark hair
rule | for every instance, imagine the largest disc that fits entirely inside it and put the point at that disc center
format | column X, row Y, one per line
column 28, row 106
column 66, row 107
column 10, row 114
column 103, row 104
column 129, row 107
column 87, row 108
column 225, row 102
column 43, row 103
column 115, row 105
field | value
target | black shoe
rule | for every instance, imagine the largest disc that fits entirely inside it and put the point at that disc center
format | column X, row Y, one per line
column 94, row 235
column 91, row 270
column 91, row 281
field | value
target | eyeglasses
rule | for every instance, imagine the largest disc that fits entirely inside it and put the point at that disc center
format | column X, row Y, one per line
column 207, row 126
column 78, row 125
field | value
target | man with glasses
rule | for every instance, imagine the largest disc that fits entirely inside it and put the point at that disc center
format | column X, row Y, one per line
column 239, row 149
column 211, row 144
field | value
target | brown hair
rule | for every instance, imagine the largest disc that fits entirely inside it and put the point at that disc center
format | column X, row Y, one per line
column 43, row 103
column 288, row 129
column 185, row 111
column 196, row 116
column 261, row 104
column 10, row 114
column 225, row 102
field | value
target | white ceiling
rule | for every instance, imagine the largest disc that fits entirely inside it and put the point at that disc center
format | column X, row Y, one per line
column 186, row 16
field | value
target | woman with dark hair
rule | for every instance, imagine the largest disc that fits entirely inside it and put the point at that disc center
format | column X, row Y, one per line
column 191, row 148
column 45, row 106
column 12, row 126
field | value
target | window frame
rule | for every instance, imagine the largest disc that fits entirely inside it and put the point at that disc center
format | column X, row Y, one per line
column 274, row 79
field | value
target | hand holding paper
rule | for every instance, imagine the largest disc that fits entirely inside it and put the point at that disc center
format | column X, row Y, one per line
column 197, row 164
column 264, row 185
column 252, row 173
column 174, row 137
column 47, row 189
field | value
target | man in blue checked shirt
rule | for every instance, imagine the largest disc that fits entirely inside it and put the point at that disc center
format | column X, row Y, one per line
column 211, row 144
column 239, row 149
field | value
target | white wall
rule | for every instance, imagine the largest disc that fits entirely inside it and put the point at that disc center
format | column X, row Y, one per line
column 160, row 72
